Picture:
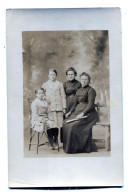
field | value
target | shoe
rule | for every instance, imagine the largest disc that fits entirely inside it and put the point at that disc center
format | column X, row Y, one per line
column 51, row 144
column 51, row 147
column 55, row 146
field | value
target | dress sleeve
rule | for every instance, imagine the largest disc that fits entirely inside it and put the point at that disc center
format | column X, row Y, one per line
column 47, row 98
column 63, row 95
column 43, row 86
column 49, row 110
column 64, row 85
column 79, row 85
column 91, row 100
column 74, row 104
column 35, row 116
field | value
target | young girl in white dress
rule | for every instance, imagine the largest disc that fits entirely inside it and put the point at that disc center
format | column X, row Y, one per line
column 55, row 95
column 42, row 118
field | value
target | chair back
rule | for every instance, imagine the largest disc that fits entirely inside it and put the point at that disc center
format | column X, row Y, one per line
column 30, row 110
column 103, row 111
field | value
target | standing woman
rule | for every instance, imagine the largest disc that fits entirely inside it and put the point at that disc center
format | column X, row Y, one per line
column 77, row 135
column 55, row 95
column 70, row 87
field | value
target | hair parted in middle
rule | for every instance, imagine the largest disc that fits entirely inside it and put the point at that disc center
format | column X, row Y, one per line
column 36, row 90
column 71, row 69
column 85, row 74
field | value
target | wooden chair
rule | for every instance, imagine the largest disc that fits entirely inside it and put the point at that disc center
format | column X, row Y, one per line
column 33, row 133
column 106, row 126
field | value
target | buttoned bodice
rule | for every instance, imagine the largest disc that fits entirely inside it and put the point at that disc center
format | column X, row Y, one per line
column 39, row 107
column 71, row 87
column 82, row 94
column 84, row 101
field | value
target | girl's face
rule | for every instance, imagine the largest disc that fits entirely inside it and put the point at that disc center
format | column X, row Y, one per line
column 40, row 94
column 84, row 80
column 52, row 76
column 70, row 75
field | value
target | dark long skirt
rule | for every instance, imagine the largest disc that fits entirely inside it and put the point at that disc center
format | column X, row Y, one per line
column 77, row 135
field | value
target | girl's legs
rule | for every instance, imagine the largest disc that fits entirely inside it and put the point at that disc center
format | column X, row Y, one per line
column 55, row 137
column 50, row 137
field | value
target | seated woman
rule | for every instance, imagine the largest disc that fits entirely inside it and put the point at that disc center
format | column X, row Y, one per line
column 77, row 135
column 42, row 119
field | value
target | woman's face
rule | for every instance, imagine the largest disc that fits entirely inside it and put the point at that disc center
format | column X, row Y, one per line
column 70, row 75
column 52, row 76
column 84, row 80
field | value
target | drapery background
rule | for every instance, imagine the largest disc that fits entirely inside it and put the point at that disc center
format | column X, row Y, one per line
column 86, row 51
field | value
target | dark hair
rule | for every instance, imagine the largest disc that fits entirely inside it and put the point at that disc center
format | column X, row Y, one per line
column 85, row 74
column 72, row 69
column 36, row 90
column 53, row 70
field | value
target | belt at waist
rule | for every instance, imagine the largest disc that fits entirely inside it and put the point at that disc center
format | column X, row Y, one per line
column 43, row 115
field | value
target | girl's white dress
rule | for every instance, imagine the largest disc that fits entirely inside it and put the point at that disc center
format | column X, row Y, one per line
column 56, row 96
column 41, row 116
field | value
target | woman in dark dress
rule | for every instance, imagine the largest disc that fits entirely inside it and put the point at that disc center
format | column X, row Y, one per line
column 77, row 135
column 70, row 88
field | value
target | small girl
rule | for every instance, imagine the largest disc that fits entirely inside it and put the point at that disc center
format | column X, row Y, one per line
column 42, row 119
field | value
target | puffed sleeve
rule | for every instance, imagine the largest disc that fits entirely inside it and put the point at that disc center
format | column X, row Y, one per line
column 47, row 97
column 35, row 116
column 44, row 86
column 91, row 100
column 62, row 93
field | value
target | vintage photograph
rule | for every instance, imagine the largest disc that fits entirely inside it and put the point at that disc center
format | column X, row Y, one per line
column 64, row 97
column 66, row 93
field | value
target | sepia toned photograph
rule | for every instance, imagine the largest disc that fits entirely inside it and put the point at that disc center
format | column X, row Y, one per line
column 64, row 97
column 66, row 93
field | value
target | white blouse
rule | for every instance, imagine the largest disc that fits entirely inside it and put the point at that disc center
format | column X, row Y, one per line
column 55, row 95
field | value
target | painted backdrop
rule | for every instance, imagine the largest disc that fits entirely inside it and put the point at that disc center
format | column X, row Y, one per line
column 84, row 50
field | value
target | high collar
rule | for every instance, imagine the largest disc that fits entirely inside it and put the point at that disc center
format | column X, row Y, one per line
column 86, row 86
column 72, row 81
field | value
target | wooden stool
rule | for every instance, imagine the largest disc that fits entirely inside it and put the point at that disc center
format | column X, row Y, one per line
column 38, row 138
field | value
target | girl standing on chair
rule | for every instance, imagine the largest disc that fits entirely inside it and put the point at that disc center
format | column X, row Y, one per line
column 41, row 117
column 55, row 95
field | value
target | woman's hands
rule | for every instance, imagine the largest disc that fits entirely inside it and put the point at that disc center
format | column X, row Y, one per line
column 64, row 110
column 79, row 116
column 67, row 114
column 50, row 118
